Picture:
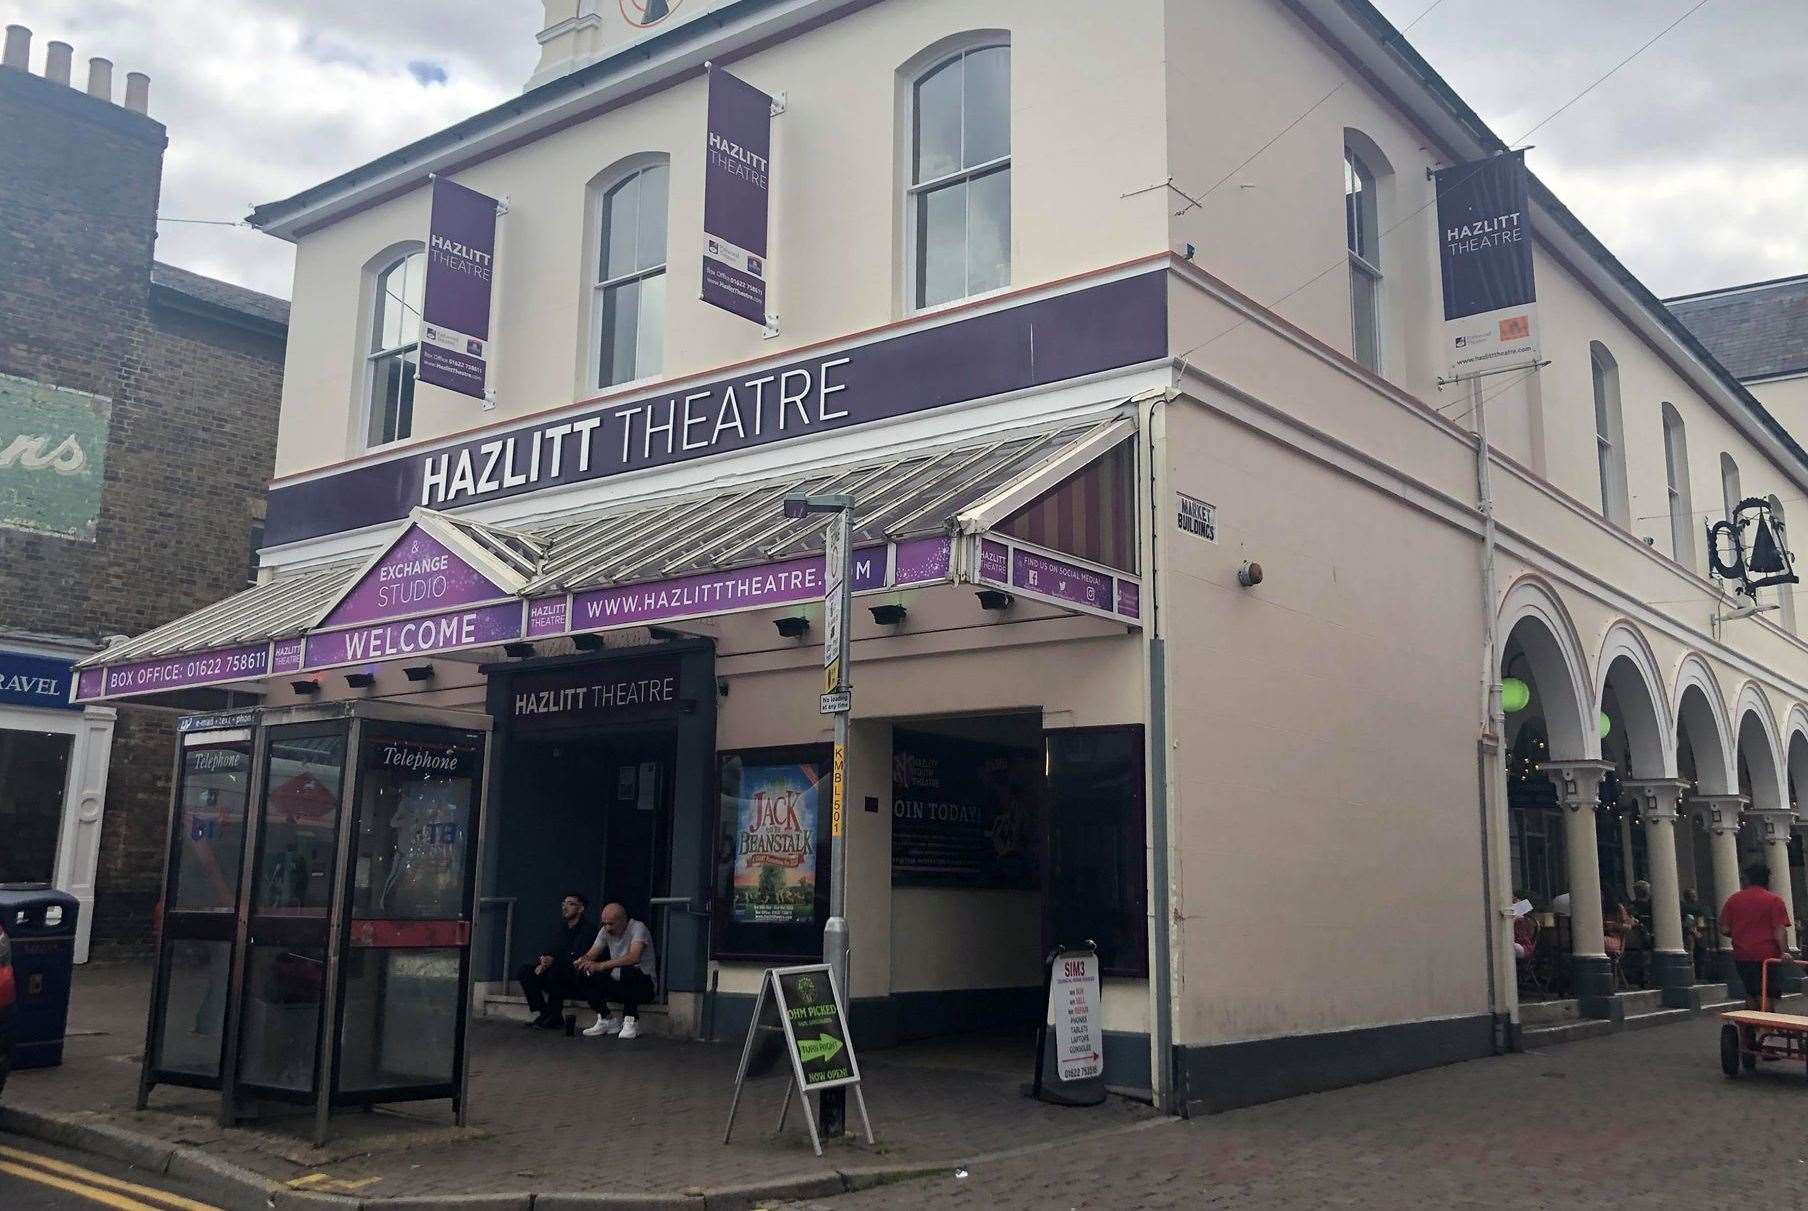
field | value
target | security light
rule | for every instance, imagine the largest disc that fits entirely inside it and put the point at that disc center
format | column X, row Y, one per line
column 305, row 688
column 994, row 599
column 418, row 672
column 799, row 505
column 1249, row 575
column 587, row 643
column 889, row 615
column 517, row 650
column 792, row 626
column 360, row 681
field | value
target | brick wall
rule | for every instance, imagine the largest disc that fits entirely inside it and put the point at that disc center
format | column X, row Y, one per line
column 189, row 451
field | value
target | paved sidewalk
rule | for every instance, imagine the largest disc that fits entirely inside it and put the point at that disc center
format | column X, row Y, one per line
column 555, row 1114
column 1637, row 1120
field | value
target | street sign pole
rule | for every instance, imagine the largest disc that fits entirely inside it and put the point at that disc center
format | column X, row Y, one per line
column 838, row 611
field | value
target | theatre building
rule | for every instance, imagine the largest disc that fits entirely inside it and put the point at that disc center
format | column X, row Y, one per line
column 1178, row 613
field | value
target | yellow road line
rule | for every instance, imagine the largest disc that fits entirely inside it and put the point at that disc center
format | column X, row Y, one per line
column 93, row 1193
column 163, row 1197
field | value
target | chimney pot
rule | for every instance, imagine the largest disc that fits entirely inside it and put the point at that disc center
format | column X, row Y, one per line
column 57, row 57
column 138, row 92
column 100, row 78
column 18, row 48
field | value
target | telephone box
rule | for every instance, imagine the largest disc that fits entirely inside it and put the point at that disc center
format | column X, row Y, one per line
column 319, row 892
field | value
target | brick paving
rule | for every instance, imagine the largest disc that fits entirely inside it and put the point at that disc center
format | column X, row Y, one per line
column 1636, row 1120
column 550, row 1113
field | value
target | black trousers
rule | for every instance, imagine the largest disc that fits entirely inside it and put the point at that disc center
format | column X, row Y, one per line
column 546, row 990
column 631, row 991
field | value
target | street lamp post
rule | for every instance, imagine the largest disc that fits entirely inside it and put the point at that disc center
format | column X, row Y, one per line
column 837, row 699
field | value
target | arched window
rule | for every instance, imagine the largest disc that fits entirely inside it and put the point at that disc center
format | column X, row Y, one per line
column 394, row 353
column 1730, row 494
column 1676, row 485
column 959, row 199
column 1610, row 438
column 1785, row 592
column 627, row 294
column 1362, row 234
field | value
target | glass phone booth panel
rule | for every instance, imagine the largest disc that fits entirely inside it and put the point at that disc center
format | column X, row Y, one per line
column 187, row 1027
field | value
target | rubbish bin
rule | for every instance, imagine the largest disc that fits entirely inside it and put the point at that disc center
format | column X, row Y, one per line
column 40, row 920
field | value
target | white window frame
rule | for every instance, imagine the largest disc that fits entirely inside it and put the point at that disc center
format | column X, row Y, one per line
column 1366, row 276
column 1610, row 435
column 372, row 355
column 1676, row 486
column 915, row 72
column 595, row 288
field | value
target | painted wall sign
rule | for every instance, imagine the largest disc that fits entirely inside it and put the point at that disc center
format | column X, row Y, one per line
column 1096, row 328
column 417, row 575
column 28, row 679
column 53, row 453
column 455, row 302
column 964, row 813
column 591, row 691
column 414, row 637
column 1485, row 249
column 737, row 182
column 1196, row 517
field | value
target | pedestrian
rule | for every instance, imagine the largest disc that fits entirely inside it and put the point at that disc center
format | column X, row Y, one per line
column 551, row 977
column 1757, row 921
column 628, row 975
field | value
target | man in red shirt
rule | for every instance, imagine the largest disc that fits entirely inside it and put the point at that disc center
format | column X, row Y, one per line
column 1757, row 921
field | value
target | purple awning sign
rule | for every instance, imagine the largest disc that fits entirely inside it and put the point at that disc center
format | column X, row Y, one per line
column 922, row 559
column 994, row 561
column 179, row 672
column 1129, row 598
column 1060, row 580
column 455, row 306
column 285, row 655
column 548, row 616
column 737, row 185
column 794, row 580
column 416, row 636
column 417, row 575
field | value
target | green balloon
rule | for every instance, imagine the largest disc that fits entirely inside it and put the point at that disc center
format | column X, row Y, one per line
column 1515, row 695
column 1606, row 725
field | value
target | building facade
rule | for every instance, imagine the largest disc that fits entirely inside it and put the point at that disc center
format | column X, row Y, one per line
column 1198, row 616
column 137, row 424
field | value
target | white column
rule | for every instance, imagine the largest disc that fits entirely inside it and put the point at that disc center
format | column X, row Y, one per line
column 1658, row 802
column 1720, row 816
column 84, row 801
column 1578, row 791
column 1777, row 826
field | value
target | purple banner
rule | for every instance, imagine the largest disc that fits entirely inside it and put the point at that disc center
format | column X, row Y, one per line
column 737, row 184
column 1129, row 598
column 417, row 575
column 922, row 559
column 286, row 654
column 455, row 306
column 1097, row 328
column 1063, row 581
column 90, row 683
column 718, row 592
column 436, row 633
column 548, row 616
column 179, row 672
column 994, row 561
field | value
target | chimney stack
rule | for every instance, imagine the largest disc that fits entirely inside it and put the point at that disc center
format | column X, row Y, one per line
column 138, row 92
column 57, row 57
column 18, row 48
column 100, row 78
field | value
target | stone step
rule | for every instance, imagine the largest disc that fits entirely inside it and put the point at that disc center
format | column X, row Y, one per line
column 1547, row 1013
column 1590, row 1028
column 1644, row 1000
column 1566, row 1032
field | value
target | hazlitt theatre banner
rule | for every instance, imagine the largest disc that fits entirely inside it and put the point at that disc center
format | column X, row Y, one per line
column 737, row 184
column 775, row 815
column 1485, row 247
column 455, row 305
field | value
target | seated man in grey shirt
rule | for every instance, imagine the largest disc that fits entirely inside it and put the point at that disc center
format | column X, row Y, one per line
column 626, row 976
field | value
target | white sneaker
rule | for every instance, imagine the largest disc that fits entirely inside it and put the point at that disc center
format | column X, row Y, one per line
column 630, row 1028
column 602, row 1026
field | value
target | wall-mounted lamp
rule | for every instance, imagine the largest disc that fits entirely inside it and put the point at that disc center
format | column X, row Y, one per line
column 418, row 672
column 518, row 650
column 1249, row 575
column 889, row 615
column 792, row 626
column 360, row 681
column 306, row 689
column 722, row 686
column 587, row 643
column 664, row 634
column 995, row 599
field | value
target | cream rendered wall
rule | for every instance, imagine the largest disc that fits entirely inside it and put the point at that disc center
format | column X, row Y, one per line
column 1787, row 400
column 1087, row 93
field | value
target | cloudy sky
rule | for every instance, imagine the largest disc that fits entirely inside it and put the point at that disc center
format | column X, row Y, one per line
column 1690, row 162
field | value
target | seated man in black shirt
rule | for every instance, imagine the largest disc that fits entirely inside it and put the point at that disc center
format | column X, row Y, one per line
column 549, row 979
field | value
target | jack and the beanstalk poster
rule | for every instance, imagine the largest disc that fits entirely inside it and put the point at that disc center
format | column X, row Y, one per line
column 773, row 851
